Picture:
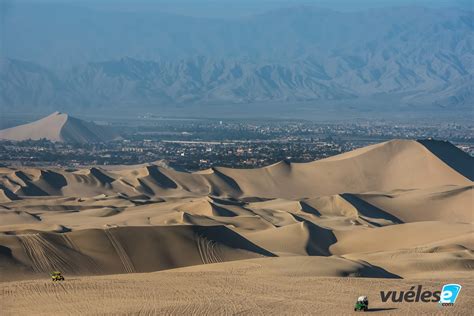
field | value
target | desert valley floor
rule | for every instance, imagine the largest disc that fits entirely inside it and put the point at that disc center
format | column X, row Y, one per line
column 285, row 239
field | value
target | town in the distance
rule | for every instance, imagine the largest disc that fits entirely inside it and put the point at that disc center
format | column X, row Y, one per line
column 192, row 144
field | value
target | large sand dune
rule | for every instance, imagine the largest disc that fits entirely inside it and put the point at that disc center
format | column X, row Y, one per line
column 400, row 209
column 60, row 127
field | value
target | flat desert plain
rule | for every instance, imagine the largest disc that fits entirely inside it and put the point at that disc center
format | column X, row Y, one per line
column 285, row 239
column 267, row 286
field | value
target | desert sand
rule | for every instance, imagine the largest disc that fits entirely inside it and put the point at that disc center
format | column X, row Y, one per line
column 267, row 286
column 60, row 127
column 285, row 239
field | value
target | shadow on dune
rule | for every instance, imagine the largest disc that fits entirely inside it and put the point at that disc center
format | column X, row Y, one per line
column 144, row 188
column 380, row 309
column 254, row 199
column 369, row 210
column 101, row 176
column 5, row 251
column 11, row 268
column 231, row 183
column 160, row 178
column 305, row 207
column 8, row 193
column 320, row 239
column 371, row 271
column 221, row 211
column 230, row 238
column 229, row 201
column 452, row 156
column 21, row 175
column 31, row 190
column 54, row 179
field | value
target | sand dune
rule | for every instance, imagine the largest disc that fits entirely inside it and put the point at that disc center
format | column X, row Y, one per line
column 125, row 249
column 385, row 167
column 446, row 203
column 7, row 196
column 400, row 209
column 60, row 127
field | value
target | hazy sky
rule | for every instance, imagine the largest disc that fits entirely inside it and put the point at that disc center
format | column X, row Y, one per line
column 120, row 52
column 238, row 8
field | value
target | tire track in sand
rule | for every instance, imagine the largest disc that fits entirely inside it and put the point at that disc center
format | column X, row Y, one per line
column 90, row 264
column 124, row 258
column 208, row 250
column 44, row 256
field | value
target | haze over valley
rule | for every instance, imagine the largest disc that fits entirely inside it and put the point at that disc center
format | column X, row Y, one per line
column 384, row 59
column 252, row 157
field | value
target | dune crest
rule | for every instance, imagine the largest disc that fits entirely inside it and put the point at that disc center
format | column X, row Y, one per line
column 60, row 127
column 401, row 199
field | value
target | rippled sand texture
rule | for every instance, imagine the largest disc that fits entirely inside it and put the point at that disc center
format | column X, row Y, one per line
column 399, row 209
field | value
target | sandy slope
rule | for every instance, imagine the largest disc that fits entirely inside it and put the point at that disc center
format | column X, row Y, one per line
column 59, row 127
column 269, row 286
column 400, row 209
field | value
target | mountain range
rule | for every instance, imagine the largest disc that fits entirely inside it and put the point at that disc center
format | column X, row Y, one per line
column 106, row 59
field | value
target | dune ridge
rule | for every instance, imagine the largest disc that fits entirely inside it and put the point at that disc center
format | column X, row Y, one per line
column 410, row 200
column 60, row 127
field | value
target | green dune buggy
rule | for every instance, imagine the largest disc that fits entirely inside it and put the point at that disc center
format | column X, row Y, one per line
column 362, row 304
